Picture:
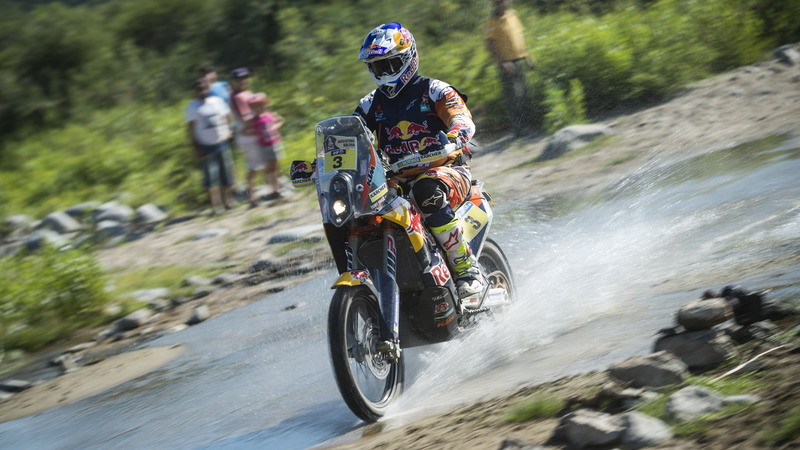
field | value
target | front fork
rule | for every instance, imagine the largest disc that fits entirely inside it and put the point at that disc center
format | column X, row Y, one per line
column 385, row 281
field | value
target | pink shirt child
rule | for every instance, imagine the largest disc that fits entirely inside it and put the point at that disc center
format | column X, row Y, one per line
column 266, row 127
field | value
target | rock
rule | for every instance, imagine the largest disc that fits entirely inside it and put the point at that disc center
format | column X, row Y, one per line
column 108, row 229
column 115, row 212
column 5, row 395
column 15, row 385
column 263, row 263
column 294, row 234
column 572, row 138
column 692, row 402
column 199, row 314
column 40, row 238
column 150, row 295
column 64, row 362
column 747, row 307
column 194, row 280
column 512, row 443
column 656, row 369
column 643, row 431
column 201, row 292
column 80, row 347
column 226, row 279
column 18, row 223
column 112, row 309
column 149, row 214
column 82, row 210
column 741, row 400
column 213, row 232
column 704, row 314
column 698, row 349
column 787, row 54
column 586, row 427
column 59, row 222
column 134, row 320
column 177, row 328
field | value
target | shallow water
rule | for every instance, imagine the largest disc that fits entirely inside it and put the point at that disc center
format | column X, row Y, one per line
column 598, row 275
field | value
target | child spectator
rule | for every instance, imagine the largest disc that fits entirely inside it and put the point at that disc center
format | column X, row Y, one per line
column 266, row 124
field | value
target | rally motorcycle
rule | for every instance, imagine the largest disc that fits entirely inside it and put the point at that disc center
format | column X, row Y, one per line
column 395, row 289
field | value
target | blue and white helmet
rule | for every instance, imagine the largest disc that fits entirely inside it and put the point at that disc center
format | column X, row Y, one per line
column 391, row 57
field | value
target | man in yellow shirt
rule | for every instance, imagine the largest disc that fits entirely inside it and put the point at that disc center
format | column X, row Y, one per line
column 506, row 44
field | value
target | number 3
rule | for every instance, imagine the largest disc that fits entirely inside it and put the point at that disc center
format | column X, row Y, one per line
column 337, row 161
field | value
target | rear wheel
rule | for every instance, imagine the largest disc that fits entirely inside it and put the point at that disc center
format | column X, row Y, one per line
column 367, row 381
column 496, row 269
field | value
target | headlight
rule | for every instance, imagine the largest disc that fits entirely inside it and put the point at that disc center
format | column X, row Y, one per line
column 339, row 207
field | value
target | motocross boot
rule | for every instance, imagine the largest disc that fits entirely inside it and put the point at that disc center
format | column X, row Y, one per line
column 469, row 281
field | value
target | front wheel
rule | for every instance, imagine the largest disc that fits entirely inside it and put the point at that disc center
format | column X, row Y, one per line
column 496, row 269
column 367, row 381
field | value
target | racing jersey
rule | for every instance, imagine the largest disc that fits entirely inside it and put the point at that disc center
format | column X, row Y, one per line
column 413, row 119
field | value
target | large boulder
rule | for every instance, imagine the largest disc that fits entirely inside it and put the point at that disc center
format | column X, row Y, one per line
column 585, row 427
column 643, row 431
column 692, row 402
column 656, row 369
column 787, row 54
column 40, row 238
column 134, row 320
column 113, row 211
column 704, row 314
column 82, row 210
column 60, row 222
column 698, row 349
column 572, row 138
column 149, row 214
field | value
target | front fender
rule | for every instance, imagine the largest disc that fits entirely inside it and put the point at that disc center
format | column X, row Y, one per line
column 356, row 278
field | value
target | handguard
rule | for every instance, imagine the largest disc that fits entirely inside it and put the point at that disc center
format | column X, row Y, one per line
column 416, row 163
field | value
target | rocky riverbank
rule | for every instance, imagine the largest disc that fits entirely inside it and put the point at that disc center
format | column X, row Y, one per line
column 743, row 105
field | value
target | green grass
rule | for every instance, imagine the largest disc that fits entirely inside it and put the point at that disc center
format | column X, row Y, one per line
column 788, row 429
column 540, row 406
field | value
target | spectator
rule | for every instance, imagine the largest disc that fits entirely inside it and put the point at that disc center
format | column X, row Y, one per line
column 267, row 124
column 506, row 44
column 218, row 88
column 209, row 128
column 246, row 137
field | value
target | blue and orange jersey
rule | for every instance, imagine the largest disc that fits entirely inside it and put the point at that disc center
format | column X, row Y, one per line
column 413, row 119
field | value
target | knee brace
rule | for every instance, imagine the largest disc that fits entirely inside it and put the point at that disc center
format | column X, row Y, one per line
column 430, row 196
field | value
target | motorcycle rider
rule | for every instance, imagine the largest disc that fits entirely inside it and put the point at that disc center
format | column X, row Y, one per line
column 407, row 113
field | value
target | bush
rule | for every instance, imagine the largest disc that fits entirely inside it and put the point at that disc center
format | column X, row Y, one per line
column 47, row 295
column 564, row 110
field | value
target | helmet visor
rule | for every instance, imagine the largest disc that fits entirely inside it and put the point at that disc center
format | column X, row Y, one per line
column 386, row 66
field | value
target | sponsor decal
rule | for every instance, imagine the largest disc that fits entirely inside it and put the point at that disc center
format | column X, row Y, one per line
column 440, row 308
column 378, row 192
column 445, row 322
column 360, row 275
column 370, row 174
column 425, row 106
column 390, row 245
column 402, row 149
column 434, row 200
column 379, row 114
column 440, row 274
column 412, row 68
column 452, row 241
column 300, row 167
column 411, row 104
column 406, row 130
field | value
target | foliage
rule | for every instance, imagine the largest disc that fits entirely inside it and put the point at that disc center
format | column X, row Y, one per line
column 564, row 110
column 540, row 406
column 47, row 295
column 93, row 91
column 788, row 429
